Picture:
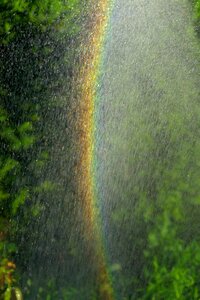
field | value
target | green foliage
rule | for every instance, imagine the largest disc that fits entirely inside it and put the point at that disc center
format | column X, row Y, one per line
column 15, row 139
column 7, row 269
column 17, row 13
column 50, row 291
column 34, row 43
column 172, row 258
column 173, row 266
column 196, row 4
column 197, row 8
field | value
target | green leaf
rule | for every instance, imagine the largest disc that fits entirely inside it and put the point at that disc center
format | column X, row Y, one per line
column 19, row 200
column 8, row 165
column 45, row 186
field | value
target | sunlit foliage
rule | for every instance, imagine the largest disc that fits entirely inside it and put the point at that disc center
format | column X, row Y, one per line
column 17, row 13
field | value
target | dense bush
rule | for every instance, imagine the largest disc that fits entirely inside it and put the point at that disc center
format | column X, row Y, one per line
column 38, row 49
column 16, row 13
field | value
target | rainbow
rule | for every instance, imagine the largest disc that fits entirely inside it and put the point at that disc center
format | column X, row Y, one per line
column 89, row 75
